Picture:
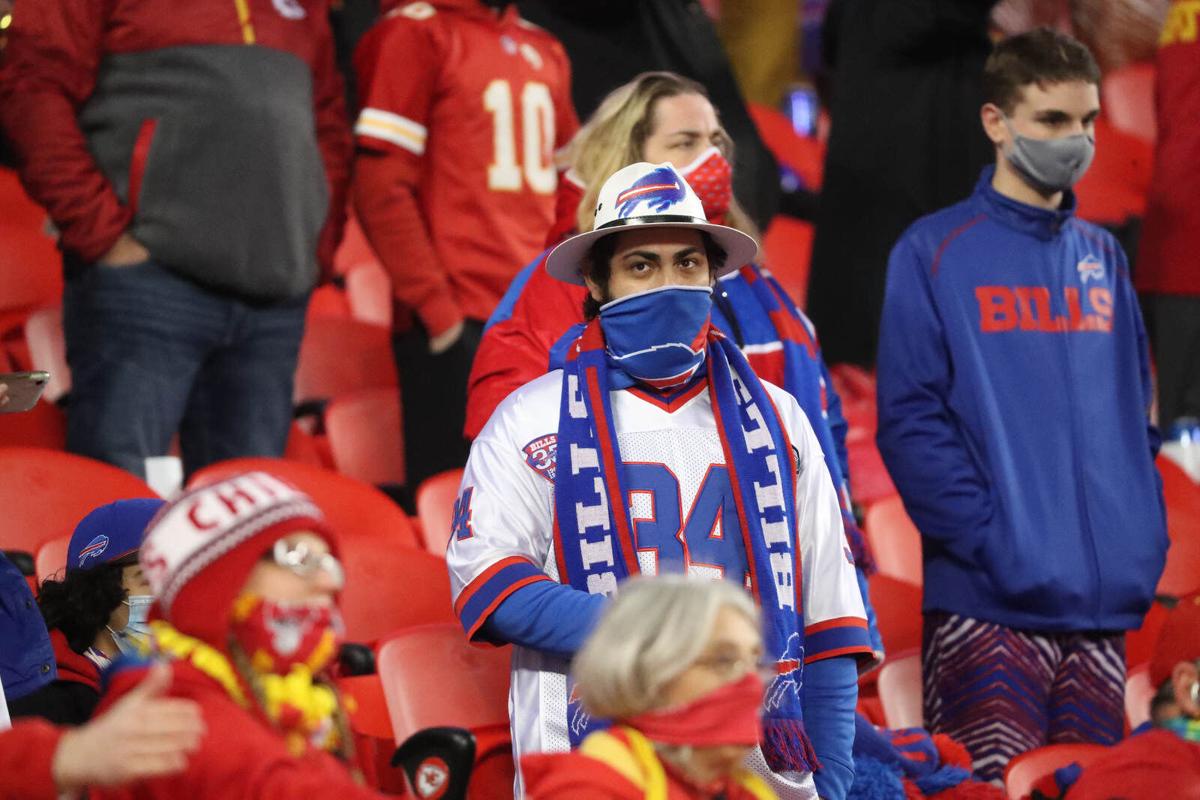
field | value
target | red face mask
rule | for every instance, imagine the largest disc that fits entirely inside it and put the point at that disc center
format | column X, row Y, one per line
column 278, row 635
column 711, row 178
column 728, row 715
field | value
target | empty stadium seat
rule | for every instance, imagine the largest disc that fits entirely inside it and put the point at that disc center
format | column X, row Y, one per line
column 365, row 435
column 1182, row 572
column 1140, row 644
column 17, row 209
column 1128, row 98
column 328, row 301
column 1116, row 184
column 894, row 539
column 369, row 292
column 51, row 557
column 897, row 606
column 45, row 492
column 802, row 155
column 343, row 355
column 870, row 481
column 900, row 690
column 1028, row 768
column 1139, row 691
column 354, row 248
column 30, row 274
column 435, row 508
column 48, row 350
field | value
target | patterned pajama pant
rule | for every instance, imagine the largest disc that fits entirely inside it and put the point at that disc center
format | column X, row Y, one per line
column 1001, row 691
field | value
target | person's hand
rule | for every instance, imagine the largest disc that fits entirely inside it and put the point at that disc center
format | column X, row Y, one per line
column 4, row 398
column 144, row 735
column 126, row 252
column 444, row 341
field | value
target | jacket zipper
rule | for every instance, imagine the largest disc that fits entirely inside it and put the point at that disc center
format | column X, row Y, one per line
column 1084, row 520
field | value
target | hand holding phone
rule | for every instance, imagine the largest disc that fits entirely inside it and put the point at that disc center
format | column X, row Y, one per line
column 19, row 391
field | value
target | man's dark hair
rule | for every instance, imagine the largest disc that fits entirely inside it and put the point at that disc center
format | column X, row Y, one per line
column 1042, row 56
column 597, row 265
column 80, row 604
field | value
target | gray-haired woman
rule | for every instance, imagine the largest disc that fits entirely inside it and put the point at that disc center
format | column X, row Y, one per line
column 675, row 661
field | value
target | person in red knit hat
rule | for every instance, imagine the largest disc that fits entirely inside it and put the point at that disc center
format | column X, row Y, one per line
column 1163, row 762
column 246, row 576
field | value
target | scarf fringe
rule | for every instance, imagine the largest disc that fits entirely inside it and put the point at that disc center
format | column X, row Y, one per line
column 787, row 748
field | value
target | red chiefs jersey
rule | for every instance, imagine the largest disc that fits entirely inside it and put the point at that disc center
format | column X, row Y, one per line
column 480, row 101
column 1171, row 234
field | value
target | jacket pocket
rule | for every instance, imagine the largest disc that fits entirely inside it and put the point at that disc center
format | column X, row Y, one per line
column 137, row 161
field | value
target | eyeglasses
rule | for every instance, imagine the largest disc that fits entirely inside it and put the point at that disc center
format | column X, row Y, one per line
column 730, row 667
column 306, row 561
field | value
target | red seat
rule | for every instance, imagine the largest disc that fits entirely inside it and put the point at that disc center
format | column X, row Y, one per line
column 802, row 155
column 897, row 606
column 1116, row 185
column 1128, row 97
column 30, row 273
column 343, row 355
column 51, row 558
column 327, row 301
column 45, row 492
column 1028, row 768
column 365, row 435
column 44, row 425
column 17, row 209
column 900, row 690
column 354, row 248
column 369, row 291
column 788, row 247
column 432, row 676
column 48, row 349
column 1140, row 644
column 894, row 539
column 870, row 481
column 435, row 508
column 1182, row 572
column 1139, row 691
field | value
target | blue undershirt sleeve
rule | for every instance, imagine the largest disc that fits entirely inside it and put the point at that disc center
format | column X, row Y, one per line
column 830, row 694
column 545, row 616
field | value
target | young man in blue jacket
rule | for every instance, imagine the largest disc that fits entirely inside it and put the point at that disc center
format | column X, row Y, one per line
column 1014, row 387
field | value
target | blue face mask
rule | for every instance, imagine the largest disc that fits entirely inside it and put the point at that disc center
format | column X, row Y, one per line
column 658, row 337
column 137, row 629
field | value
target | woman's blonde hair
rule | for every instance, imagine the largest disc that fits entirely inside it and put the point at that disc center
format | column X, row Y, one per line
column 653, row 631
column 616, row 133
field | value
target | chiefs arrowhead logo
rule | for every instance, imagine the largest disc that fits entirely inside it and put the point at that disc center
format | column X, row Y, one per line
column 433, row 778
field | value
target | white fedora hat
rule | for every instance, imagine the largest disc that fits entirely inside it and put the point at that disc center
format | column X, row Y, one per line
column 648, row 196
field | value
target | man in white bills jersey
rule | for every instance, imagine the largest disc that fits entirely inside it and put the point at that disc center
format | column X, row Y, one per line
column 655, row 449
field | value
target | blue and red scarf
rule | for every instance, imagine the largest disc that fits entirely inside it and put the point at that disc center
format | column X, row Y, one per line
column 593, row 534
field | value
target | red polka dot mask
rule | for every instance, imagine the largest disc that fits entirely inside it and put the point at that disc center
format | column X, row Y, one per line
column 711, row 178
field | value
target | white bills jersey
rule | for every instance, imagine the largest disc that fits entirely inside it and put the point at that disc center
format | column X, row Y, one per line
column 680, row 509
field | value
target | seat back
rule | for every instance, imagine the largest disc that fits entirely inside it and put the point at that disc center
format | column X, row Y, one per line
column 897, row 606
column 45, row 492
column 340, row 355
column 369, row 290
column 365, row 435
column 788, row 247
column 1128, row 97
column 1181, row 575
column 433, row 677
column 30, row 270
column 895, row 541
column 44, row 425
column 900, row 690
column 435, row 508
column 1028, row 768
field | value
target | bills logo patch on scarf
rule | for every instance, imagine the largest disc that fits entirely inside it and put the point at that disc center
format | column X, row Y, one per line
column 542, row 455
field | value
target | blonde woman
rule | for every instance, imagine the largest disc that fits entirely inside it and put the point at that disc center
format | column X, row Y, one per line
column 675, row 662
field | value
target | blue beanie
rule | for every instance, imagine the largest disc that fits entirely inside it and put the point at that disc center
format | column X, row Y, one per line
column 110, row 532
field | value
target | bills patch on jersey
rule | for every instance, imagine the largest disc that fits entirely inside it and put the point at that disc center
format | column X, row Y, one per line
column 1090, row 268
column 94, row 549
column 542, row 455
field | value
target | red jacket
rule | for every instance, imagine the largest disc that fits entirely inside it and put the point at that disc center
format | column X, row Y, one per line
column 26, row 756
column 240, row 757
column 1153, row 764
column 52, row 74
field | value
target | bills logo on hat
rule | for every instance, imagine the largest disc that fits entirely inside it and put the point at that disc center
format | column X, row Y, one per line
column 542, row 455
column 433, row 778
column 1090, row 268
column 661, row 188
column 94, row 549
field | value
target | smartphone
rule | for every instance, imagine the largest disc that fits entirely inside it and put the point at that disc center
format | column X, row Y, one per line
column 23, row 390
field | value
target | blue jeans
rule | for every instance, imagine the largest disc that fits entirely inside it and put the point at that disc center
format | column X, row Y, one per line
column 152, row 353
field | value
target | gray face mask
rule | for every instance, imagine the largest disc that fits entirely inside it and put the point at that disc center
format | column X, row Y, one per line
column 1050, row 165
